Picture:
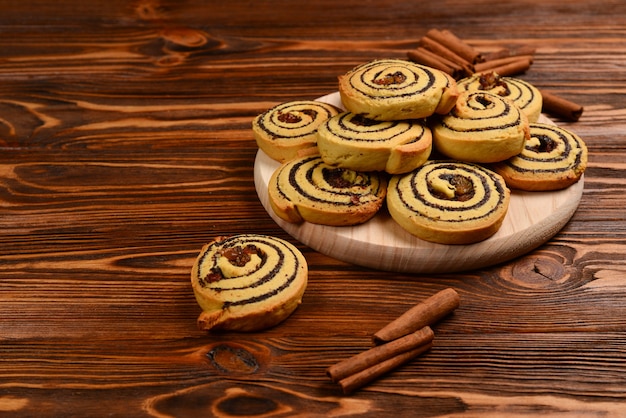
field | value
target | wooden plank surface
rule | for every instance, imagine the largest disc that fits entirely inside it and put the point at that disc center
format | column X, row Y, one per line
column 126, row 145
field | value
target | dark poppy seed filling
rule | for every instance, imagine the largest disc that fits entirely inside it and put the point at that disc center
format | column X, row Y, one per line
column 353, row 141
column 238, row 250
column 355, row 128
column 546, row 144
column 391, row 79
column 484, row 101
column 449, row 202
column 247, row 282
column 521, row 93
column 308, row 189
column 359, row 120
column 396, row 89
column 551, row 149
column 338, row 188
column 463, row 188
column 287, row 129
column 286, row 119
column 487, row 112
column 481, row 190
column 337, row 178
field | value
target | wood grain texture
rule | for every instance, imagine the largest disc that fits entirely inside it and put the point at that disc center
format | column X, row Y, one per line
column 125, row 145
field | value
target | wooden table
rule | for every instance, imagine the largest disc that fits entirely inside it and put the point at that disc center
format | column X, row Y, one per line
column 126, row 145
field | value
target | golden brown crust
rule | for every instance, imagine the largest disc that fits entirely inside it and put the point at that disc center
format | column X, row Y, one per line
column 395, row 89
column 482, row 128
column 247, row 282
column 354, row 142
column 307, row 189
column 449, row 202
column 287, row 129
column 523, row 94
column 449, row 96
column 552, row 159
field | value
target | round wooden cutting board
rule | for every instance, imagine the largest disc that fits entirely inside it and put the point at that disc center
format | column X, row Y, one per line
column 532, row 219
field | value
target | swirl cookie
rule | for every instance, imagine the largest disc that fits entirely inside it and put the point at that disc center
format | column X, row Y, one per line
column 524, row 95
column 482, row 127
column 248, row 282
column 449, row 202
column 284, row 130
column 352, row 141
column 395, row 89
column 552, row 159
column 307, row 189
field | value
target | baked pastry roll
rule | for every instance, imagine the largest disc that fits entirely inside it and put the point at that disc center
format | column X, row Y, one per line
column 248, row 282
column 394, row 89
column 552, row 159
column 307, row 189
column 352, row 141
column 523, row 94
column 286, row 129
column 482, row 127
column 449, row 202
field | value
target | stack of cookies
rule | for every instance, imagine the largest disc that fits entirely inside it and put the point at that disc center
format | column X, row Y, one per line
column 441, row 154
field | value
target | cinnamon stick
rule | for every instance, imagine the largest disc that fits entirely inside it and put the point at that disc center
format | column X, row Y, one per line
column 360, row 379
column 559, row 106
column 455, row 44
column 508, row 53
column 424, row 313
column 517, row 66
column 444, row 52
column 500, row 62
column 425, row 57
column 379, row 353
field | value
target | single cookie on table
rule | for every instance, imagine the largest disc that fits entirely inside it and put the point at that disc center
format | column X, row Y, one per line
column 248, row 282
column 307, row 189
column 552, row 159
column 482, row 127
column 394, row 89
column 352, row 141
column 449, row 202
column 523, row 94
column 288, row 128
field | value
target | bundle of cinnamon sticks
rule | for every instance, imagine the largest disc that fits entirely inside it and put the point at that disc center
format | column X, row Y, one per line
column 443, row 50
column 403, row 339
